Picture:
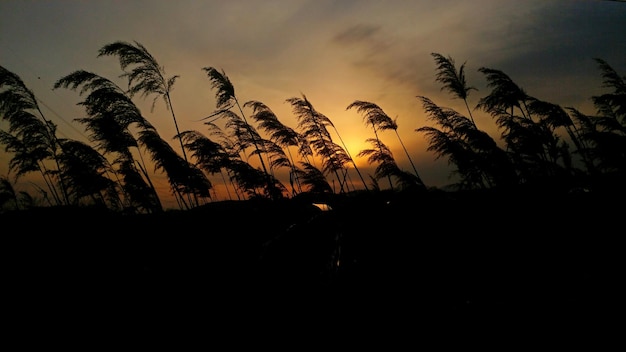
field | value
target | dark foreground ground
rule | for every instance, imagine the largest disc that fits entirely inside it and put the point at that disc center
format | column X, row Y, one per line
column 374, row 260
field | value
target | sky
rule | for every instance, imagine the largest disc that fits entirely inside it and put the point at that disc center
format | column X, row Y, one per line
column 331, row 52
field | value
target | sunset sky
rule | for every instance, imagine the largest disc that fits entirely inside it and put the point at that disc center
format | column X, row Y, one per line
column 333, row 52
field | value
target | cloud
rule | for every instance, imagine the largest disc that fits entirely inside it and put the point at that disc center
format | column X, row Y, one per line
column 357, row 33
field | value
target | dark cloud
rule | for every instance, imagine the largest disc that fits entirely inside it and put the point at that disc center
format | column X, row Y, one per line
column 395, row 60
column 548, row 49
column 358, row 33
column 562, row 39
column 552, row 49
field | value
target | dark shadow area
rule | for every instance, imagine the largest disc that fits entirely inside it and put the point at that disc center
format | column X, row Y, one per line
column 377, row 254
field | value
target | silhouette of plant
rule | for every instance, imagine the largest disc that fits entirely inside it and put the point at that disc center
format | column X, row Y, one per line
column 146, row 77
column 458, row 139
column 225, row 100
column 314, row 128
column 387, row 168
column 545, row 146
column 528, row 128
column 31, row 137
column 210, row 156
column 284, row 137
column 84, row 173
column 111, row 114
column 313, row 179
column 480, row 162
column 603, row 136
column 453, row 80
column 379, row 120
column 183, row 177
column 8, row 195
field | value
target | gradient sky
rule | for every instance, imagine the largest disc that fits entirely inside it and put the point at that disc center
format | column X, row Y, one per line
column 333, row 52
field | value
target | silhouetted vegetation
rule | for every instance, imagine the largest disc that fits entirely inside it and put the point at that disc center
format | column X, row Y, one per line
column 537, row 192
column 542, row 145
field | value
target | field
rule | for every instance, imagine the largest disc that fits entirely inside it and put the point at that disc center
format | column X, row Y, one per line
column 433, row 254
